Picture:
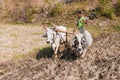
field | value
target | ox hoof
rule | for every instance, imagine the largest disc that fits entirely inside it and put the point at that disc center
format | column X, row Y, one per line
column 55, row 56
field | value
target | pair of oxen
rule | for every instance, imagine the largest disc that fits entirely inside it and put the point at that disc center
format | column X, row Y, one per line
column 58, row 35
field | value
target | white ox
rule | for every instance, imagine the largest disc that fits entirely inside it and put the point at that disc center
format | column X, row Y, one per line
column 56, row 38
column 81, row 42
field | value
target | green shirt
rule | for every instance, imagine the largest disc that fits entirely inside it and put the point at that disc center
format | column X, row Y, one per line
column 79, row 23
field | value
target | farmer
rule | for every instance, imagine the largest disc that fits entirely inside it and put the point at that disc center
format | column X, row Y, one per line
column 81, row 21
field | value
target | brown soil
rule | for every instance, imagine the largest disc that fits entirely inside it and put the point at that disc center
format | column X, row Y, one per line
column 101, row 62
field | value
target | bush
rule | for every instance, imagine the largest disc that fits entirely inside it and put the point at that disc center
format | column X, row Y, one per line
column 24, row 15
column 19, row 11
column 117, row 7
column 29, row 14
column 57, row 10
column 107, row 9
column 119, row 2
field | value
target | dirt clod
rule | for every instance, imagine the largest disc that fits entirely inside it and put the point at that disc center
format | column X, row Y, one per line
column 101, row 62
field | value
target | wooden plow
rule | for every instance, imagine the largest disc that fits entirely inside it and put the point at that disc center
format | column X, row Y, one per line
column 66, row 41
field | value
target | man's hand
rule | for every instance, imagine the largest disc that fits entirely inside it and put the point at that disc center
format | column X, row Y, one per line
column 85, row 21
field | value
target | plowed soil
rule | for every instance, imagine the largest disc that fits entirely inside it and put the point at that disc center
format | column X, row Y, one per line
column 101, row 62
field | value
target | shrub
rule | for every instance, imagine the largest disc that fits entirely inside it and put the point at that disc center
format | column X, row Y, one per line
column 57, row 10
column 24, row 15
column 119, row 2
column 117, row 7
column 29, row 14
column 107, row 9
column 19, row 11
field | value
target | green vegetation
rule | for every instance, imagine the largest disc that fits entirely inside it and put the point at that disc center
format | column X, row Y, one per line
column 1, row 32
column 36, row 33
column 29, row 14
column 116, row 28
column 107, row 9
column 34, row 50
column 24, row 16
column 15, row 35
column 57, row 10
column 26, row 11
column 19, row 56
column 97, row 31
column 0, row 42
column 65, row 14
column 118, row 8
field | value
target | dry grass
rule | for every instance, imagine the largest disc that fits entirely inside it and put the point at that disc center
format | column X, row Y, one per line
column 17, row 41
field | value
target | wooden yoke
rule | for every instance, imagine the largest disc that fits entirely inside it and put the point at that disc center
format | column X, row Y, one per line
column 66, row 36
column 64, row 32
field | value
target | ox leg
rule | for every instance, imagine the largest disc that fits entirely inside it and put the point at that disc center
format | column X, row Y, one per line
column 53, row 47
column 82, row 56
column 56, row 50
column 71, row 45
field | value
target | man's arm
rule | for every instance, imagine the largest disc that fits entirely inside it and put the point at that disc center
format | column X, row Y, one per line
column 85, row 20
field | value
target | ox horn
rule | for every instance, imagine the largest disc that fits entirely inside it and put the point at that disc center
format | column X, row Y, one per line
column 54, row 25
column 44, row 27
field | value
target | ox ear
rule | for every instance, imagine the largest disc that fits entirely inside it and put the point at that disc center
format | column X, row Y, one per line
column 44, row 35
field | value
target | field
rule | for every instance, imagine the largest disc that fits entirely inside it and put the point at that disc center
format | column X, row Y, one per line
column 25, row 55
column 21, row 48
column 16, row 41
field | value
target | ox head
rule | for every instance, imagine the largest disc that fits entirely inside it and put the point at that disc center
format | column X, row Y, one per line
column 50, row 33
column 77, row 43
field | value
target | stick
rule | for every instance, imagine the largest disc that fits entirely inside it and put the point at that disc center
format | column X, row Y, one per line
column 64, row 32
